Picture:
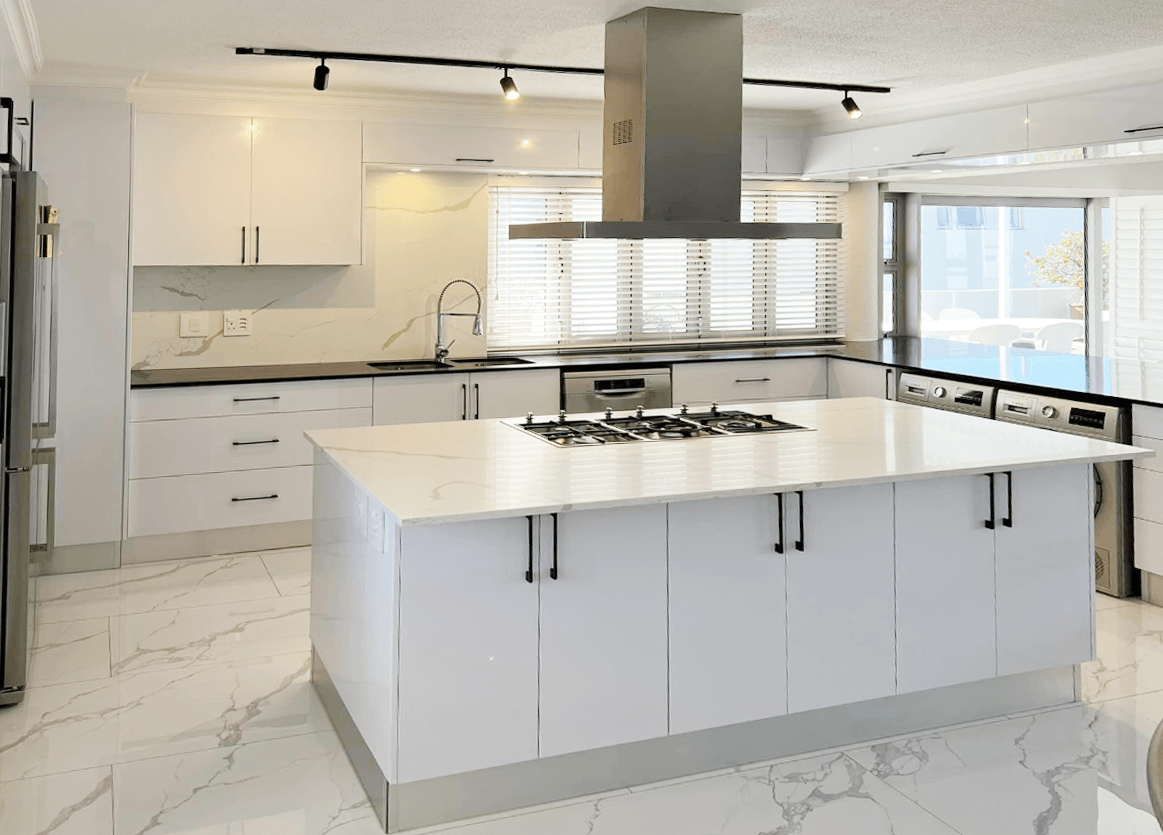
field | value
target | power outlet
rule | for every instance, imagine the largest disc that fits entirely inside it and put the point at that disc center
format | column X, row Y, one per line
column 236, row 323
column 194, row 325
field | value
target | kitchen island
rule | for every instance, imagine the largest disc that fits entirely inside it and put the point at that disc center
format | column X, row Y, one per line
column 499, row 621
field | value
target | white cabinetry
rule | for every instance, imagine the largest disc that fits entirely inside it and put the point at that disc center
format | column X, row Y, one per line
column 750, row 381
column 728, row 644
column 852, row 378
column 829, row 153
column 603, row 628
column 945, row 583
column 459, row 146
column 223, row 190
column 1147, row 425
column 785, row 153
column 451, row 395
column 1000, row 131
column 1096, row 118
column 468, row 648
column 841, row 642
column 754, row 155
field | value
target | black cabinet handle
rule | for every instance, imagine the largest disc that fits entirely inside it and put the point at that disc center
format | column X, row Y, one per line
column 754, row 380
column 991, row 522
column 243, row 245
column 800, row 541
column 255, row 498
column 464, row 401
column 779, row 522
column 931, row 154
column 1008, row 520
column 254, row 399
column 256, row 244
column 1141, row 130
column 476, row 391
column 529, row 570
column 553, row 570
column 255, row 443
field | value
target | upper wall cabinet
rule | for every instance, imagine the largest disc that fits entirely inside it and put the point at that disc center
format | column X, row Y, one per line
column 226, row 190
column 785, row 153
column 447, row 145
column 1000, row 131
column 1123, row 115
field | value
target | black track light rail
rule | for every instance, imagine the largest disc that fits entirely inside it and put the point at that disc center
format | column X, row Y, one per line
column 504, row 65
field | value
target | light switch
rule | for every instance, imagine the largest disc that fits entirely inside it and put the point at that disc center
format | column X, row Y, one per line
column 236, row 323
column 193, row 325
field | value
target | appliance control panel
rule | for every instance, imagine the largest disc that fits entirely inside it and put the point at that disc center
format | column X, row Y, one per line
column 1093, row 420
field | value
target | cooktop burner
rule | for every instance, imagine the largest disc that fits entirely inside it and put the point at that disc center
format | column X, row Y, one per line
column 658, row 425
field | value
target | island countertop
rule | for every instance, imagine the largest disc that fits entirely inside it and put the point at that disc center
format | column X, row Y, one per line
column 433, row 473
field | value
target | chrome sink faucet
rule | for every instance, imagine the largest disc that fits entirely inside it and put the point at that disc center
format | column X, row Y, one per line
column 477, row 329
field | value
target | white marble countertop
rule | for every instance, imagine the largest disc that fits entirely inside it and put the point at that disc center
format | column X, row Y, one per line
column 429, row 473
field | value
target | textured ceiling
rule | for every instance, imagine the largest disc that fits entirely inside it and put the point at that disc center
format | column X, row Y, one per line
column 910, row 45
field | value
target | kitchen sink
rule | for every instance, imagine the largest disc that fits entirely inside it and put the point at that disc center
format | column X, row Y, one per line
column 487, row 362
column 411, row 365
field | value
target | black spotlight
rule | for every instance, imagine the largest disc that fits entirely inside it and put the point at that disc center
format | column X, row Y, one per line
column 854, row 111
column 509, row 86
column 321, row 75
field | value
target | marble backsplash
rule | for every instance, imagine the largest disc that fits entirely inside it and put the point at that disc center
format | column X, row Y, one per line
column 420, row 232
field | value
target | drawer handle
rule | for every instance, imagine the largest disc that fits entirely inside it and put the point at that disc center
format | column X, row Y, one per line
column 754, row 380
column 255, row 443
column 931, row 154
column 255, row 399
column 1143, row 130
column 255, row 498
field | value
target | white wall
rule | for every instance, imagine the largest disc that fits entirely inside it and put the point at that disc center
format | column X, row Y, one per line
column 861, row 263
column 83, row 152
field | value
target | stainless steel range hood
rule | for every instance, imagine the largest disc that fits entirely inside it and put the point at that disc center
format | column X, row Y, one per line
column 672, row 140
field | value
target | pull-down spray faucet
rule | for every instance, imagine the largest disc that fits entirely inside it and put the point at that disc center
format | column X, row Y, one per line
column 477, row 328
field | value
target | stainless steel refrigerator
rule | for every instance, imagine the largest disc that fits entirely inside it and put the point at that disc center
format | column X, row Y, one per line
column 28, row 236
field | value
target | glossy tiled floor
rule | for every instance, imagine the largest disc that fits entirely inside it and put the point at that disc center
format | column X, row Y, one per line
column 174, row 698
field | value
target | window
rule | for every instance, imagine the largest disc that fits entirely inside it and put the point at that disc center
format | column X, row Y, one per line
column 545, row 293
column 891, row 219
column 1004, row 274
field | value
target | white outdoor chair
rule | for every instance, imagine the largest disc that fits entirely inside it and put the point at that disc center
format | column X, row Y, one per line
column 951, row 314
column 1058, row 337
column 999, row 334
column 927, row 317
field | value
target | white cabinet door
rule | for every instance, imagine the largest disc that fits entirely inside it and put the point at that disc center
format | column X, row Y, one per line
column 944, row 583
column 307, row 192
column 468, row 648
column 829, row 153
column 728, row 650
column 841, row 639
column 1096, row 118
column 503, row 394
column 603, row 629
column 754, row 155
column 999, row 131
column 852, row 378
column 1045, row 569
column 421, row 398
column 448, row 145
column 191, row 190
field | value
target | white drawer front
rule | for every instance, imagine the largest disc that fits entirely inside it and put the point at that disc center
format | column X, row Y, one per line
column 1148, row 495
column 1149, row 546
column 220, row 500
column 251, row 398
column 240, row 442
column 1155, row 464
column 750, row 381
column 1147, row 421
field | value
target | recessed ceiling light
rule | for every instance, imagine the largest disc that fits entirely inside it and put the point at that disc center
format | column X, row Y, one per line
column 522, row 173
column 805, row 179
column 862, row 178
column 415, row 170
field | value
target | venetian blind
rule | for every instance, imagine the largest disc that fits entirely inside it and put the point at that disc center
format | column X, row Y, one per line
column 1136, row 289
column 553, row 294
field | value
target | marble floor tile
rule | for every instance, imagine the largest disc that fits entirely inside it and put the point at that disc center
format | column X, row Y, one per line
column 1130, row 653
column 1076, row 770
column 290, row 569
column 151, row 588
column 298, row 786
column 210, row 634
column 77, row 803
column 829, row 795
column 1105, row 601
column 76, row 650
column 87, row 724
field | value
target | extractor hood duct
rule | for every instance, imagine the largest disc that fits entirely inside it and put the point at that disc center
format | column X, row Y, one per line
column 672, row 140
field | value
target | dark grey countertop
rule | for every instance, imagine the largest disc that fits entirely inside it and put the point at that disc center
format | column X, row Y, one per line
column 1093, row 378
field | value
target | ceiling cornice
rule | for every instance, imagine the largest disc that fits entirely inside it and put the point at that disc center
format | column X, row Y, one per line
column 25, row 37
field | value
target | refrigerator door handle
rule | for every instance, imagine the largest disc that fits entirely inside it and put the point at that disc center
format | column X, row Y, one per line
column 48, row 429
column 43, row 551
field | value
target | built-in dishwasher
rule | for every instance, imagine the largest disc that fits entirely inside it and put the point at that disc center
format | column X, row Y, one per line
column 595, row 391
column 1114, row 560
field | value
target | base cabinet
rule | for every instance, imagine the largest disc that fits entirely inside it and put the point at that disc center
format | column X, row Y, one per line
column 468, row 648
column 728, row 640
column 429, row 398
column 603, row 628
column 841, row 643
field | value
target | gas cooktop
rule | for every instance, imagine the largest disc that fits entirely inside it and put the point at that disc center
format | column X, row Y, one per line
column 640, row 425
